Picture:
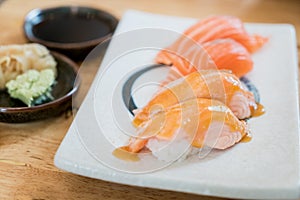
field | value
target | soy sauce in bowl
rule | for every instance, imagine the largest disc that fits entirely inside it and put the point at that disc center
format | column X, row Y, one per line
column 71, row 30
column 67, row 30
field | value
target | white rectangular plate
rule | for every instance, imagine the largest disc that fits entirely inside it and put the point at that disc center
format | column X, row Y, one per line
column 265, row 168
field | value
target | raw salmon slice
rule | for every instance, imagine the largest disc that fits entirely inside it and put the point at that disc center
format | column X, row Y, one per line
column 217, row 27
column 188, row 53
column 230, row 55
column 226, row 54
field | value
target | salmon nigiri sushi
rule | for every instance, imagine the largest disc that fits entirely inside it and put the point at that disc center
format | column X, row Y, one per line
column 211, row 84
column 196, row 122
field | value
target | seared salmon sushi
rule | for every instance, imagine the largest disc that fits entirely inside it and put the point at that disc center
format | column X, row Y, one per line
column 210, row 84
column 198, row 122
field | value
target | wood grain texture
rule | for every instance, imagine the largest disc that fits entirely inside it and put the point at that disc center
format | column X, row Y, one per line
column 27, row 150
column 30, row 182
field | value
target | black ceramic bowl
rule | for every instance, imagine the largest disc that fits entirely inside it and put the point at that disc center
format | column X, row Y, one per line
column 73, row 31
column 14, row 111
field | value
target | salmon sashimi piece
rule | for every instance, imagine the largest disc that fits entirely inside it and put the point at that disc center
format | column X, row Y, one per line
column 211, row 84
column 209, row 29
column 187, row 60
column 187, row 54
column 230, row 55
column 226, row 54
column 203, row 122
column 217, row 27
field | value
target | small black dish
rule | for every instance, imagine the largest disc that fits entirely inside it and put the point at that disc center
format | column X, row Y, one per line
column 71, row 30
column 14, row 111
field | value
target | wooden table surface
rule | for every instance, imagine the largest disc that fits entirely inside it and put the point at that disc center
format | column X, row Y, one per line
column 27, row 150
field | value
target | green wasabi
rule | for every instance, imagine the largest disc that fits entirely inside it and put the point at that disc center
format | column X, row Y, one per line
column 33, row 87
